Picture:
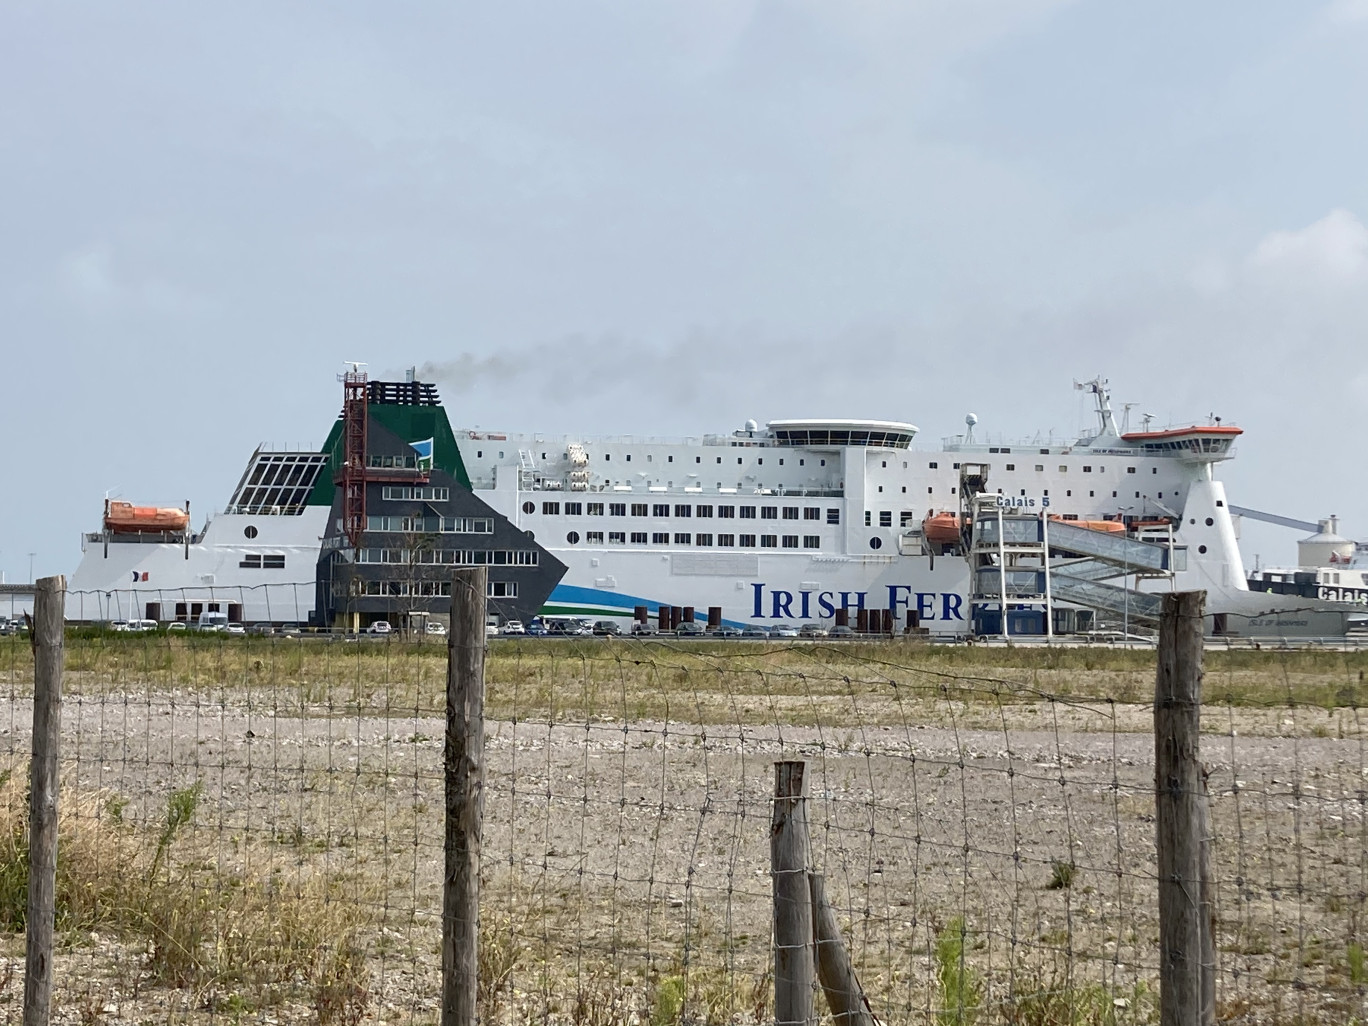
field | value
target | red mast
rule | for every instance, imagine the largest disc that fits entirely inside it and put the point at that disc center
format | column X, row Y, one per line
column 354, row 417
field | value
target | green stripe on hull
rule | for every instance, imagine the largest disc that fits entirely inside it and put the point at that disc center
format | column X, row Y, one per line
column 584, row 611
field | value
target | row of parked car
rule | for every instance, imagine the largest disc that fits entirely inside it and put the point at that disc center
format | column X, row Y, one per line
column 379, row 628
column 8, row 626
column 579, row 627
column 206, row 627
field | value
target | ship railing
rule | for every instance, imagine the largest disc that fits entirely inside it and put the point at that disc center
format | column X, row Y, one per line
column 141, row 538
column 291, row 510
column 575, row 485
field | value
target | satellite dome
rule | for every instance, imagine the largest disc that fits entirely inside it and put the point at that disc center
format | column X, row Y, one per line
column 971, row 419
column 752, row 426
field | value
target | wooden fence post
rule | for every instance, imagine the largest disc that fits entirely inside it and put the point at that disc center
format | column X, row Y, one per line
column 49, row 616
column 464, row 771
column 845, row 997
column 793, row 960
column 1186, row 952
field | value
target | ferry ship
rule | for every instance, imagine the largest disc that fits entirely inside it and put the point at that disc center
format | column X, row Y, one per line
column 1330, row 568
column 817, row 521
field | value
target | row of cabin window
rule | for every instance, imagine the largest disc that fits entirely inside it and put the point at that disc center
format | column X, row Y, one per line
column 402, row 462
column 453, row 557
column 723, row 541
column 428, row 525
column 1040, row 467
column 426, row 589
column 607, row 456
column 263, row 561
column 663, row 509
column 401, row 493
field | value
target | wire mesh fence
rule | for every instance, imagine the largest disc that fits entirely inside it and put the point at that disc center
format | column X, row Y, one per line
column 252, row 829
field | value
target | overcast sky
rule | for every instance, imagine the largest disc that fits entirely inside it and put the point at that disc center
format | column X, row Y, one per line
column 666, row 218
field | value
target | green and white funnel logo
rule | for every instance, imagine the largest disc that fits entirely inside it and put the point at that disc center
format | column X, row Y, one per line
column 424, row 451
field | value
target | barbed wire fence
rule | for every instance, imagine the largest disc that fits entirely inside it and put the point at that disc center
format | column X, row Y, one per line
column 251, row 829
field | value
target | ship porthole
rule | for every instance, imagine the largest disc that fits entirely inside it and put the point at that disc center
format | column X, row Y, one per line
column 529, row 507
column 249, row 531
column 1201, row 549
column 1210, row 521
column 875, row 543
column 573, row 537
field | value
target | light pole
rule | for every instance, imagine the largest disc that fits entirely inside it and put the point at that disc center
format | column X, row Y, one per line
column 31, row 555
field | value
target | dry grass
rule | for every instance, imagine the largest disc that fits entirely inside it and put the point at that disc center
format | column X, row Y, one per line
column 234, row 933
column 837, row 685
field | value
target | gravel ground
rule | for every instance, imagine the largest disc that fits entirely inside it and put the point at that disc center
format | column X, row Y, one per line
column 619, row 854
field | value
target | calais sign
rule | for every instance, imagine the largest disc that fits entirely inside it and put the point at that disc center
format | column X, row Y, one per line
column 1023, row 502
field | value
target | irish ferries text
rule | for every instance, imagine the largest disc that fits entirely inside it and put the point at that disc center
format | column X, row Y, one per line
column 778, row 604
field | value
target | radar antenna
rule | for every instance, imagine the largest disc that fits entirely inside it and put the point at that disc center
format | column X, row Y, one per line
column 1125, row 416
column 970, row 419
column 1098, row 387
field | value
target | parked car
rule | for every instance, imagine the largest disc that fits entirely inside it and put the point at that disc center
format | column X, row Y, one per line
column 841, row 631
column 690, row 629
column 726, row 631
column 754, row 631
column 536, row 629
column 606, row 628
column 118, row 625
column 177, row 625
column 812, row 630
column 263, row 629
column 513, row 627
column 436, row 628
column 380, row 627
column 640, row 629
column 289, row 630
column 782, row 630
column 491, row 630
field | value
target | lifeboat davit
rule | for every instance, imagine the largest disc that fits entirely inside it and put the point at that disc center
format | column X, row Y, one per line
column 1105, row 526
column 126, row 518
column 941, row 528
column 1148, row 525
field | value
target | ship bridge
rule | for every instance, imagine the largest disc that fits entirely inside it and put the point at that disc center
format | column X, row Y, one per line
column 1199, row 443
column 835, row 434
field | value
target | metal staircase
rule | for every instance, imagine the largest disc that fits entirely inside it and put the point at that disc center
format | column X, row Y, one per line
column 1023, row 562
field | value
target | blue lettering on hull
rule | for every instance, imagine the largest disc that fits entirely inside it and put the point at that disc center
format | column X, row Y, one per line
column 928, row 605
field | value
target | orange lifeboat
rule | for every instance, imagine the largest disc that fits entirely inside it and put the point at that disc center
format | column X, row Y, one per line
column 941, row 528
column 1105, row 526
column 126, row 518
column 1148, row 525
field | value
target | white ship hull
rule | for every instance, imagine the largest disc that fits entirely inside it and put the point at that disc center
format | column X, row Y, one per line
column 135, row 580
column 772, row 588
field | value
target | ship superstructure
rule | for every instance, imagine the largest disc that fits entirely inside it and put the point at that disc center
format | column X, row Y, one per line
column 368, row 528
column 802, row 519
